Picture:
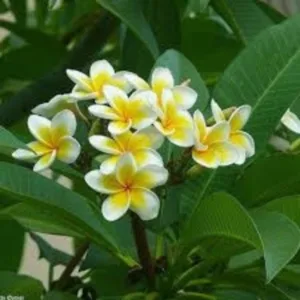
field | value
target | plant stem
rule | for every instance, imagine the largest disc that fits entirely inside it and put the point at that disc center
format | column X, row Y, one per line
column 62, row 282
column 143, row 251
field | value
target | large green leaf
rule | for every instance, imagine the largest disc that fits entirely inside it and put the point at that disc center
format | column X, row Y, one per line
column 12, row 236
column 29, row 187
column 221, row 215
column 39, row 219
column 273, row 13
column 8, row 140
column 182, row 70
column 19, row 285
column 268, row 178
column 244, row 17
column 264, row 76
column 130, row 12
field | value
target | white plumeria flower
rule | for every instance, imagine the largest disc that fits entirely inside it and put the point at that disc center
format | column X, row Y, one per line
column 175, row 124
column 161, row 78
column 54, row 140
column 54, row 106
column 291, row 121
column 212, row 148
column 129, row 188
column 91, row 87
column 125, row 113
column 140, row 144
column 242, row 140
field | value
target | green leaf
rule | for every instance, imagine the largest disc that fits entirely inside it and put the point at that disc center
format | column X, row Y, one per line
column 130, row 12
column 270, row 89
column 8, row 140
column 53, row 256
column 12, row 236
column 13, row 284
column 280, row 238
column 19, row 9
column 41, row 12
column 29, row 187
column 202, row 39
column 275, row 15
column 54, row 295
column 268, row 178
column 221, row 215
column 244, row 17
column 40, row 220
column 182, row 70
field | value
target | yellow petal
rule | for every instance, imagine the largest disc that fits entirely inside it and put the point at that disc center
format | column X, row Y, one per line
column 68, row 150
column 244, row 140
column 218, row 133
column 226, row 153
column 164, row 130
column 63, row 124
column 145, row 157
column 117, row 99
column 82, row 80
column 39, row 148
column 108, row 166
column 123, row 140
column 78, row 94
column 103, row 183
column 150, row 176
column 126, row 169
column 100, row 72
column 240, row 117
column 119, row 80
column 45, row 162
column 206, row 158
column 103, row 111
column 199, row 127
column 115, row 206
column 144, row 203
column 182, row 137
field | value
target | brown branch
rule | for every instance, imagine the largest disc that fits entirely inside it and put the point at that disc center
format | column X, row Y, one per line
column 143, row 250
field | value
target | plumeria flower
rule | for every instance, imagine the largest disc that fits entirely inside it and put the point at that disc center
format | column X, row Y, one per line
column 54, row 106
column 212, row 148
column 54, row 140
column 237, row 120
column 140, row 144
column 175, row 124
column 129, row 188
column 161, row 78
column 125, row 112
column 291, row 121
column 91, row 87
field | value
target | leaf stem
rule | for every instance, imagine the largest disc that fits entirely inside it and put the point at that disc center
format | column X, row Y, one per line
column 143, row 250
column 63, row 280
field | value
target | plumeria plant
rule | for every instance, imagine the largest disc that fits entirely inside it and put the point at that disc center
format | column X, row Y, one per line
column 175, row 173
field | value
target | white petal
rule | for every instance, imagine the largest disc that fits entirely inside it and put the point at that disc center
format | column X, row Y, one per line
column 150, row 137
column 109, row 165
column 218, row 133
column 103, row 111
column 120, row 80
column 182, row 137
column 102, row 183
column 150, row 176
column 207, row 158
column 115, row 97
column 45, row 162
column 78, row 93
column 145, row 157
column 240, row 117
column 82, row 80
column 126, row 169
column 40, row 128
column 144, row 203
column 291, row 121
column 101, row 67
column 161, row 78
column 226, row 153
column 23, row 154
column 217, row 111
column 104, row 144
column 63, row 124
column 184, row 96
column 115, row 206
column 119, row 127
column 68, row 150
column 136, row 81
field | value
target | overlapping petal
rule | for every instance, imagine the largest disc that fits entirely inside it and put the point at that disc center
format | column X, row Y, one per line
column 45, row 161
column 63, row 124
column 184, row 96
column 68, row 149
column 161, row 79
column 125, row 170
column 240, row 117
column 104, row 144
column 40, row 128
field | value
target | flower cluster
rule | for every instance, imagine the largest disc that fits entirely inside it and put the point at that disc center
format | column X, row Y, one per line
column 140, row 117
